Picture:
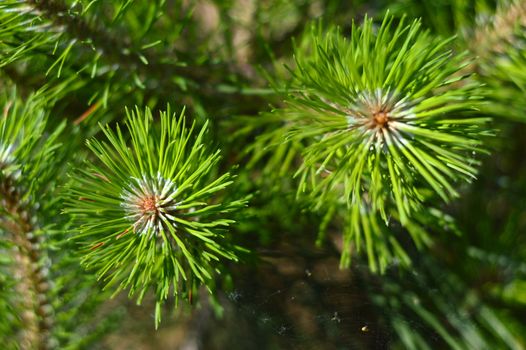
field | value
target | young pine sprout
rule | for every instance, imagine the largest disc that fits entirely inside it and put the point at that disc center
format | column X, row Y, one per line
column 149, row 212
column 385, row 121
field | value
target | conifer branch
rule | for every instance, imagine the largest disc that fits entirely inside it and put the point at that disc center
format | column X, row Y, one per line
column 33, row 284
column 382, row 122
column 499, row 31
column 27, row 159
column 499, row 44
column 147, row 216
column 381, row 126
column 116, row 50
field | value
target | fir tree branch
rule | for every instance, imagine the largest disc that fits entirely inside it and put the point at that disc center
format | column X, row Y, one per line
column 33, row 286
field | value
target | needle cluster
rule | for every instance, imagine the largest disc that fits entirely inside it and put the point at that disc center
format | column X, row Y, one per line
column 384, row 122
column 150, row 211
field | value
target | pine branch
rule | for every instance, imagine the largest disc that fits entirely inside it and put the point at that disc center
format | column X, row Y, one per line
column 60, row 32
column 147, row 215
column 46, row 284
column 498, row 32
column 18, row 221
column 33, row 284
column 445, row 305
column 495, row 38
column 383, row 123
column 119, row 51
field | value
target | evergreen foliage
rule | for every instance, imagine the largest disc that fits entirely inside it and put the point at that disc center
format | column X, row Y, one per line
column 394, row 136
column 46, row 300
column 146, row 215
column 380, row 126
